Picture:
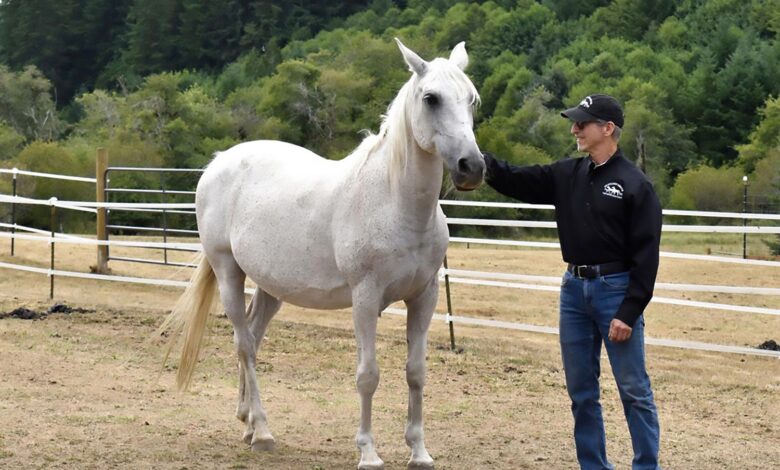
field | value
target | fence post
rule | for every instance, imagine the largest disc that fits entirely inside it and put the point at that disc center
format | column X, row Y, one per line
column 164, row 200
column 52, row 201
column 101, row 163
column 13, row 213
column 744, row 221
column 449, row 304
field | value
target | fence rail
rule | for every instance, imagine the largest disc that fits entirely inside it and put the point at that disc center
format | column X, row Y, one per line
column 455, row 276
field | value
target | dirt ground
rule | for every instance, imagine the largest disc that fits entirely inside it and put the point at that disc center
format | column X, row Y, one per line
column 81, row 390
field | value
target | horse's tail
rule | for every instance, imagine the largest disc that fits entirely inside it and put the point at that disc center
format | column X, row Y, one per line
column 188, row 318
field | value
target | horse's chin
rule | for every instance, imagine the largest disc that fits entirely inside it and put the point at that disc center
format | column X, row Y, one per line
column 466, row 188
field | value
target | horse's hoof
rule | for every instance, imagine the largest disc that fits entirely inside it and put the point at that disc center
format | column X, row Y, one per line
column 420, row 465
column 247, row 437
column 372, row 466
column 263, row 445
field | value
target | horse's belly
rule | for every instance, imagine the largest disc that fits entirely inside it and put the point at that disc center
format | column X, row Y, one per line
column 319, row 299
column 305, row 292
column 300, row 271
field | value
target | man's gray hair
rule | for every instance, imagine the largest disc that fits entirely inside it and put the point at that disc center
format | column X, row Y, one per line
column 616, row 133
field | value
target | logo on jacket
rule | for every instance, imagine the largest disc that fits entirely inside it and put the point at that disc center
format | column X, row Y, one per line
column 613, row 190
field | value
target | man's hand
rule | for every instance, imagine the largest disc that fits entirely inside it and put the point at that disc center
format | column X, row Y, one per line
column 619, row 331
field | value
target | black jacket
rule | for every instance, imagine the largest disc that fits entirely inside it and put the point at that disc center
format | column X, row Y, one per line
column 604, row 214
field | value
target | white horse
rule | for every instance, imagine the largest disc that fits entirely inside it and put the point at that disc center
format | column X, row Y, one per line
column 364, row 232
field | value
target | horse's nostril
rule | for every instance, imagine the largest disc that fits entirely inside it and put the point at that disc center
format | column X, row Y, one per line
column 463, row 166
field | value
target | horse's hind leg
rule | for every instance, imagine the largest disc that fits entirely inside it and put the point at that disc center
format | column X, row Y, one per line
column 242, row 410
column 231, row 278
column 261, row 310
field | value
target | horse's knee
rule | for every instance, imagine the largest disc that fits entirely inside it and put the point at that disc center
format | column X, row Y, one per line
column 245, row 346
column 367, row 378
column 415, row 376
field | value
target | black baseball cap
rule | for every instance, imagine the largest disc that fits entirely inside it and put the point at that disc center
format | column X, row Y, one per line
column 594, row 107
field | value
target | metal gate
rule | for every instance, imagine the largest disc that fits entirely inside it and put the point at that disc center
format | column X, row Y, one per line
column 166, row 189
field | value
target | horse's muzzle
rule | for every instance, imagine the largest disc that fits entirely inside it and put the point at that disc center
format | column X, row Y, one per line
column 469, row 174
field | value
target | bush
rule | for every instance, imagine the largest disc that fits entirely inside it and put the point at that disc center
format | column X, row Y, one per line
column 46, row 157
column 705, row 188
column 10, row 142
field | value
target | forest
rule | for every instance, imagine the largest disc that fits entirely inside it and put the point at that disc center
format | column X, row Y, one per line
column 168, row 82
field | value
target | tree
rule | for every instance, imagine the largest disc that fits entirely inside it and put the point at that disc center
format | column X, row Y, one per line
column 70, row 41
column 26, row 104
column 533, row 123
column 571, row 9
column 10, row 142
column 209, row 34
column 765, row 138
column 516, row 30
column 705, row 188
column 504, row 68
column 458, row 24
column 630, row 19
column 51, row 157
column 152, row 36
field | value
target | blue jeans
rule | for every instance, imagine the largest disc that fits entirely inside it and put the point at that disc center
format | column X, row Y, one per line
column 587, row 308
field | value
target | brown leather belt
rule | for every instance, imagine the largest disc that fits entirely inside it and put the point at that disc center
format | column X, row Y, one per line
column 591, row 271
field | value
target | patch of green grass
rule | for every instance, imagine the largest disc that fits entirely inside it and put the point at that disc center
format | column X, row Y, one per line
column 697, row 243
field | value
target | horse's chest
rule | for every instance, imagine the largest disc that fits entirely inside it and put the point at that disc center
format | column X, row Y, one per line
column 401, row 263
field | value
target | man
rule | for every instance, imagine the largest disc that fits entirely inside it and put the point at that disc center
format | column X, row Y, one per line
column 609, row 226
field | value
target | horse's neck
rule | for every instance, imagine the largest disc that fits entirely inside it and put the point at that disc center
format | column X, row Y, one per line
column 420, row 185
column 415, row 188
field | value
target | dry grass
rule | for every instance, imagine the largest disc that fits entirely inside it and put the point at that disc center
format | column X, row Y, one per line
column 81, row 390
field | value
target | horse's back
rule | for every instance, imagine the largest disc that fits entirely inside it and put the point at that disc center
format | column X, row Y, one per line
column 268, row 159
column 269, row 204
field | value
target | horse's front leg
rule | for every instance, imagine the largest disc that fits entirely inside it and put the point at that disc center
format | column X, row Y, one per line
column 419, row 313
column 365, row 312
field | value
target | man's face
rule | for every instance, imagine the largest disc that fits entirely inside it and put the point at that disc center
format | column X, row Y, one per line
column 589, row 134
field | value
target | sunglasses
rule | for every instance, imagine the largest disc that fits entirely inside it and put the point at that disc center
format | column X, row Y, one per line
column 580, row 125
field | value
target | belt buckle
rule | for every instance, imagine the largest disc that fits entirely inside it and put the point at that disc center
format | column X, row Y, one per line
column 578, row 270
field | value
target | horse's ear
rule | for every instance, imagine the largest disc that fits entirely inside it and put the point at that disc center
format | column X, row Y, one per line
column 416, row 64
column 459, row 56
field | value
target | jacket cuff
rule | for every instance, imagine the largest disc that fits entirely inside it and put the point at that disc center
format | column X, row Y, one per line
column 490, row 161
column 629, row 311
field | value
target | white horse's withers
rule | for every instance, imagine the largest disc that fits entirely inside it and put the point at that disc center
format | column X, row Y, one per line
column 364, row 232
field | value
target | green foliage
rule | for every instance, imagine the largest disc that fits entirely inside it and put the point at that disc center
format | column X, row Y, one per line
column 70, row 41
column 765, row 138
column 505, row 67
column 516, row 30
column 172, row 115
column 535, row 123
column 659, row 146
column 764, row 183
column 774, row 246
column 169, row 82
column 26, row 104
column 10, row 141
column 458, row 23
column 708, row 189
column 51, row 157
column 630, row 19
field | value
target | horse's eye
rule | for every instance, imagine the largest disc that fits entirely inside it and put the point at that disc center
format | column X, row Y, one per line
column 431, row 99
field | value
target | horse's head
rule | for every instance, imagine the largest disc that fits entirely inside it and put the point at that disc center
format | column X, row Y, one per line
column 441, row 108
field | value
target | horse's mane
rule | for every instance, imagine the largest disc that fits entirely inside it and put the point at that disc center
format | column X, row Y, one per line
column 396, row 131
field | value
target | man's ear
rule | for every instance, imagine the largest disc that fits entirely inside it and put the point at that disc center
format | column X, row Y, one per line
column 415, row 63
